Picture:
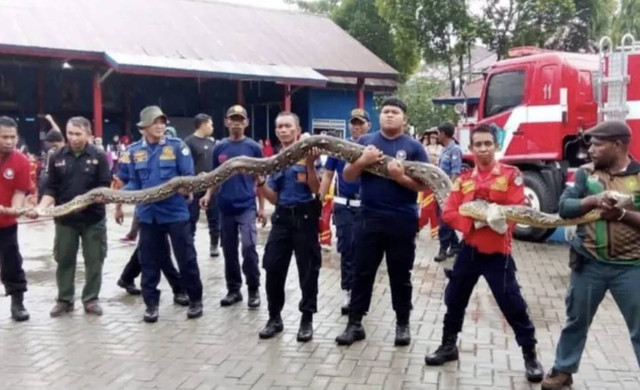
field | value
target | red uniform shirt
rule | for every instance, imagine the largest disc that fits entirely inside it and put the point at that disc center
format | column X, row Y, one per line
column 503, row 184
column 14, row 176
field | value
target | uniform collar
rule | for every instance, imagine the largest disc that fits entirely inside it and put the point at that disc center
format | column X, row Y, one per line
column 89, row 149
column 163, row 141
column 495, row 171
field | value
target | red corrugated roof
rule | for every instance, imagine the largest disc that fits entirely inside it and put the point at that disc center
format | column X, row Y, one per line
column 185, row 29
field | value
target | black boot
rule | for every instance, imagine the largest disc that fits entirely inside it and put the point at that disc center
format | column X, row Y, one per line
column 305, row 333
column 353, row 332
column 231, row 298
column 533, row 368
column 273, row 327
column 403, row 333
column 194, row 310
column 151, row 314
column 18, row 311
column 446, row 352
column 454, row 250
column 254, row 299
column 441, row 256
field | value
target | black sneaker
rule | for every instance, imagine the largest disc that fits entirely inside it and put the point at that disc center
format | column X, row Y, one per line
column 129, row 287
column 441, row 256
column 254, row 299
column 403, row 335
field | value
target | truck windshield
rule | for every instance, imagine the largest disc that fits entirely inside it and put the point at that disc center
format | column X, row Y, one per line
column 505, row 91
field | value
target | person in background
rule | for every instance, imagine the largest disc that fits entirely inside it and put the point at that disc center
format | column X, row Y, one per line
column 431, row 144
column 55, row 142
column 451, row 163
column 201, row 144
column 346, row 213
column 268, row 149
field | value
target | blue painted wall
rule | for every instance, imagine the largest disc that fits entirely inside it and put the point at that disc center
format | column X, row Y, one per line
column 337, row 104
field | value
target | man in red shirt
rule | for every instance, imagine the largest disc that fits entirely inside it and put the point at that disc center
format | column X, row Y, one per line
column 14, row 185
column 485, row 252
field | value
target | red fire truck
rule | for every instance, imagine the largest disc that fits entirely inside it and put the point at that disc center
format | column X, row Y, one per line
column 540, row 103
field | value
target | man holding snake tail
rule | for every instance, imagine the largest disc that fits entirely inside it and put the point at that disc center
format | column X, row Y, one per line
column 605, row 255
column 486, row 252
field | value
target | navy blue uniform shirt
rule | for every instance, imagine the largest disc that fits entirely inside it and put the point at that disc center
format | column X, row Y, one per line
column 384, row 197
column 344, row 189
column 238, row 193
column 451, row 159
column 153, row 164
column 291, row 185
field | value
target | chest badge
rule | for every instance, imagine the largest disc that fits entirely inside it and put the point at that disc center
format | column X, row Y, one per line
column 8, row 174
column 401, row 155
column 168, row 153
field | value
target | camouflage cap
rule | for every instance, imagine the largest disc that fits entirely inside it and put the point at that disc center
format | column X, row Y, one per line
column 610, row 131
column 359, row 113
column 237, row 110
column 149, row 114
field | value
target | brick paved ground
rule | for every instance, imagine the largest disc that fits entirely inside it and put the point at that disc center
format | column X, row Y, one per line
column 222, row 349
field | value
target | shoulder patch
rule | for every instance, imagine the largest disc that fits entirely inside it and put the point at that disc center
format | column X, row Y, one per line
column 518, row 180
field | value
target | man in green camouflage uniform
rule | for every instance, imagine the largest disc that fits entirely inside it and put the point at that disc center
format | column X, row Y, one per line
column 605, row 255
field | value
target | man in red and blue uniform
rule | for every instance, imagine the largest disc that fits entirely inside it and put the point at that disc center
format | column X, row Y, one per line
column 486, row 253
column 14, row 186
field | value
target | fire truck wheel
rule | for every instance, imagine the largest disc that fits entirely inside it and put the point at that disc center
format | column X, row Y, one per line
column 537, row 195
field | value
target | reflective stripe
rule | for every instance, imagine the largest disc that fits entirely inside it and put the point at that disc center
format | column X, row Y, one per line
column 346, row 202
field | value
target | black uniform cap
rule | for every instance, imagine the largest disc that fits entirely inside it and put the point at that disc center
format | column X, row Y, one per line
column 610, row 131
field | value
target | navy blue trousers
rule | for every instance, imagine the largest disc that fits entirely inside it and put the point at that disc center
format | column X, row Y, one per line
column 294, row 230
column 152, row 255
column 245, row 225
column 346, row 220
column 133, row 268
column 213, row 217
column 446, row 234
column 394, row 239
column 499, row 270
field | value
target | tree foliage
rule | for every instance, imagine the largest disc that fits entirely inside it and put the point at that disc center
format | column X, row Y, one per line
column 626, row 21
column 442, row 29
column 422, row 113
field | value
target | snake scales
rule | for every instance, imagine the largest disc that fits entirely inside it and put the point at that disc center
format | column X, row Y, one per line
column 426, row 174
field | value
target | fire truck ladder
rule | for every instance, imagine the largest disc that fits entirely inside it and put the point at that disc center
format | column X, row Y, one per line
column 614, row 75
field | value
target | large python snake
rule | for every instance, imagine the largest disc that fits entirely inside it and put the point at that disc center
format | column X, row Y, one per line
column 427, row 174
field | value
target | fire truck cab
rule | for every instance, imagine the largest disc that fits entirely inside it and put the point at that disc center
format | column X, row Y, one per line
column 539, row 103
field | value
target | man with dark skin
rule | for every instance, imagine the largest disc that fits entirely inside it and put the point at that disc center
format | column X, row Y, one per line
column 605, row 255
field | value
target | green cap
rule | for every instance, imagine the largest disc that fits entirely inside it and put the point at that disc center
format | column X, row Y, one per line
column 149, row 114
column 237, row 110
column 610, row 131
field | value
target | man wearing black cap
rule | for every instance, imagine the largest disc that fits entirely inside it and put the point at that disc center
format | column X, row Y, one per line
column 605, row 255
column 347, row 205
column 389, row 221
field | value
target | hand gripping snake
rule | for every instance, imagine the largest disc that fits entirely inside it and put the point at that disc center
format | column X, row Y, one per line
column 427, row 174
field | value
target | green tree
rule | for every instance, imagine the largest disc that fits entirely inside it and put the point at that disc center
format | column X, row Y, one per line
column 360, row 18
column 591, row 21
column 423, row 114
column 506, row 24
column 443, row 29
column 626, row 21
